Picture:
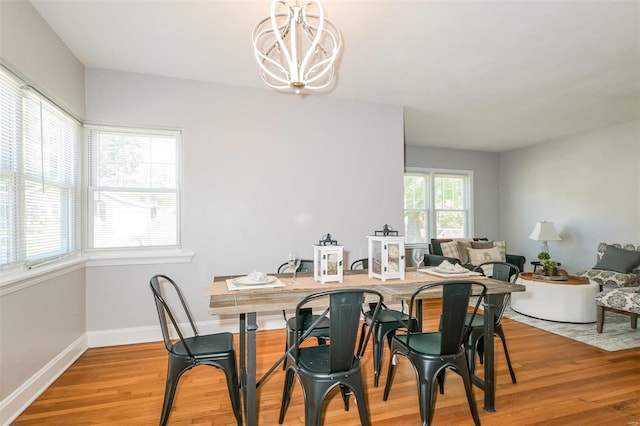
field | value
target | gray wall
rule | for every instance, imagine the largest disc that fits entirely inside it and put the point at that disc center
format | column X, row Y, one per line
column 486, row 180
column 265, row 174
column 588, row 185
column 30, row 48
column 42, row 318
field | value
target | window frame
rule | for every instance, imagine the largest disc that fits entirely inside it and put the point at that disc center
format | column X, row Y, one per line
column 60, row 135
column 132, row 254
column 431, row 210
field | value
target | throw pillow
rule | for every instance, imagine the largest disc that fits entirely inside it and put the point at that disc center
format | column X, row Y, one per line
column 481, row 244
column 502, row 247
column 478, row 256
column 619, row 260
column 450, row 249
column 462, row 251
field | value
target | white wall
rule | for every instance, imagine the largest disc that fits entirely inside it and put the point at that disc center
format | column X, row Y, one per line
column 486, row 180
column 31, row 49
column 42, row 317
column 588, row 185
column 265, row 173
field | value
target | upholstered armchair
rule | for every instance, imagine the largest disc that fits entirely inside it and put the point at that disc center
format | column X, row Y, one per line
column 617, row 266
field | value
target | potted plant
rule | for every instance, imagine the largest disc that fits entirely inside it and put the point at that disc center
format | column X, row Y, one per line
column 550, row 267
column 543, row 255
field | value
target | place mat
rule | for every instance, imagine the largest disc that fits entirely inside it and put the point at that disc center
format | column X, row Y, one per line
column 452, row 275
column 232, row 286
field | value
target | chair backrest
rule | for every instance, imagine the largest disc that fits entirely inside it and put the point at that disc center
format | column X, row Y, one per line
column 455, row 305
column 502, row 271
column 360, row 263
column 158, row 283
column 306, row 265
column 343, row 308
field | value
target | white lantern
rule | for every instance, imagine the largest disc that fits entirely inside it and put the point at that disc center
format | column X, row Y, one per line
column 327, row 260
column 386, row 255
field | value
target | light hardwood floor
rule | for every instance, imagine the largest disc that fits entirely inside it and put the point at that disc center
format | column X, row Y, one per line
column 560, row 382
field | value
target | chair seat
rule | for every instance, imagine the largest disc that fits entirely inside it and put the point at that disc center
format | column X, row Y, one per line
column 315, row 360
column 624, row 299
column 320, row 329
column 426, row 343
column 388, row 315
column 204, row 346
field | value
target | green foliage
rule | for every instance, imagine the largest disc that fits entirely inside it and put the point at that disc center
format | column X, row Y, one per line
column 543, row 255
column 548, row 263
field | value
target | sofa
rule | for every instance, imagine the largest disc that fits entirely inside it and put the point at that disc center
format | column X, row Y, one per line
column 436, row 256
column 617, row 266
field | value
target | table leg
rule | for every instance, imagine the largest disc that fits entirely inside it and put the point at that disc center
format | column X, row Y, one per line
column 251, row 408
column 247, row 357
column 489, row 353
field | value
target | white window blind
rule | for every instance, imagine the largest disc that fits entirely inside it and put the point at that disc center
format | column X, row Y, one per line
column 133, row 190
column 39, row 176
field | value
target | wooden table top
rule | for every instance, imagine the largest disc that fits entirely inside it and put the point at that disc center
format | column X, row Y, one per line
column 225, row 301
column 571, row 279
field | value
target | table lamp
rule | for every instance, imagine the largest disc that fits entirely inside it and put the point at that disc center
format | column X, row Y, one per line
column 544, row 231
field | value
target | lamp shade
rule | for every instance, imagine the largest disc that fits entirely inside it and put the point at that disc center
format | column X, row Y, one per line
column 544, row 231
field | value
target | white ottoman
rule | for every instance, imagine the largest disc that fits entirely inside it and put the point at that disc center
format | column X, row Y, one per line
column 573, row 300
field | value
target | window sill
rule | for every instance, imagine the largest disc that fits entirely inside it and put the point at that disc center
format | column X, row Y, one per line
column 20, row 279
column 134, row 257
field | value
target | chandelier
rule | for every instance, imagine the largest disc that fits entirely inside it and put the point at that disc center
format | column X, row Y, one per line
column 296, row 47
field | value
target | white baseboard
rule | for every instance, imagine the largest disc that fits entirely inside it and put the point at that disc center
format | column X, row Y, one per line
column 127, row 336
column 22, row 397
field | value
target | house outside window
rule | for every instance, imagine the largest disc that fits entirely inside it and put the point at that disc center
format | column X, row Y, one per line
column 133, row 191
column 39, row 177
column 437, row 204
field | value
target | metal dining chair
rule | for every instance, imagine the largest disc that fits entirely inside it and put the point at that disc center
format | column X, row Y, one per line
column 216, row 350
column 321, row 331
column 502, row 271
column 323, row 367
column 431, row 353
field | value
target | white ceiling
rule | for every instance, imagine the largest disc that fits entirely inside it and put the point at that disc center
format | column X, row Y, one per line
column 481, row 75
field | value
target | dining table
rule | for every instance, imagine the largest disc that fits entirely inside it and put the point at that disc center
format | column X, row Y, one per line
column 249, row 301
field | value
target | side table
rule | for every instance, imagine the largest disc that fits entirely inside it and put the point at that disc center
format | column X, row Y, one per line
column 573, row 300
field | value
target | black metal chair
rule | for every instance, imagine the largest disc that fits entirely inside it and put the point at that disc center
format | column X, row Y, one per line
column 431, row 353
column 502, row 271
column 323, row 367
column 360, row 264
column 383, row 328
column 216, row 350
column 321, row 332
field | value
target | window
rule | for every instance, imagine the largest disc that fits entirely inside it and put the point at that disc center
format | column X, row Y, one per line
column 133, row 188
column 39, row 176
column 436, row 205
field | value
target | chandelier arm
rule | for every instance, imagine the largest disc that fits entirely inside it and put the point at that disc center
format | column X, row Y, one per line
column 330, row 67
column 276, row 33
column 316, row 37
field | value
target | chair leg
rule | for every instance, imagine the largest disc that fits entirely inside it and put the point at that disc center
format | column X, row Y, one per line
column 506, row 354
column 346, row 394
column 231, row 373
column 427, row 396
column 634, row 320
column 286, row 394
column 468, row 388
column 175, row 369
column 390, row 374
column 600, row 319
column 363, row 330
column 361, row 402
